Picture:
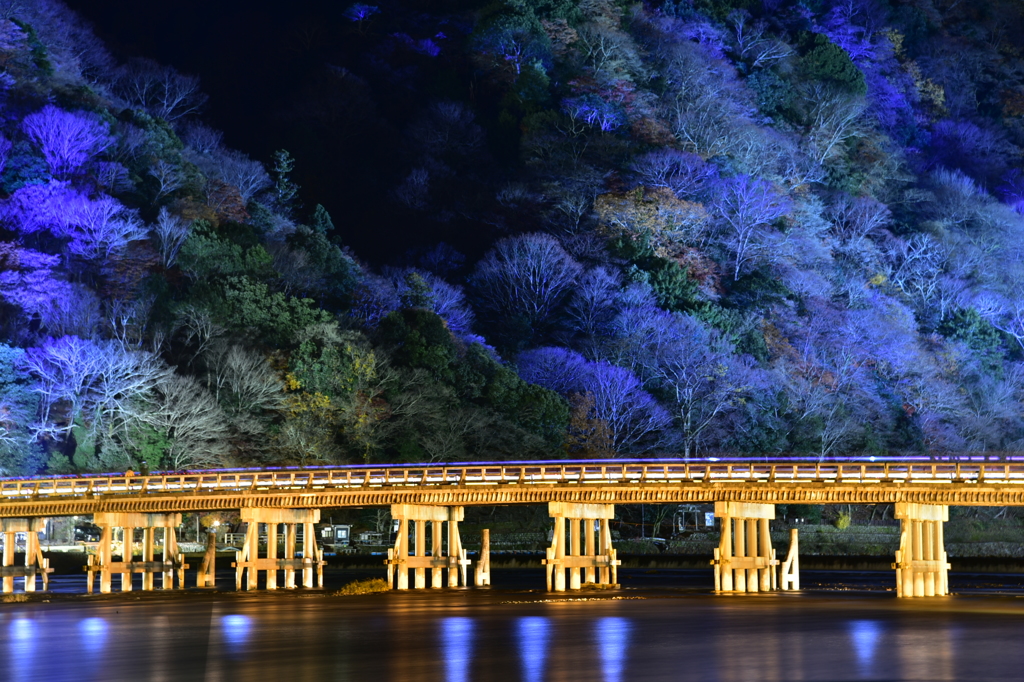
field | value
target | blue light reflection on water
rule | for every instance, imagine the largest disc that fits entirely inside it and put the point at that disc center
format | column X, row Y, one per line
column 22, row 635
column 613, row 641
column 865, row 635
column 94, row 634
column 532, row 632
column 236, row 629
column 457, row 637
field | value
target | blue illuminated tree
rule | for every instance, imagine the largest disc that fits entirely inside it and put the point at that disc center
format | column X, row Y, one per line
column 68, row 140
column 634, row 419
column 19, row 453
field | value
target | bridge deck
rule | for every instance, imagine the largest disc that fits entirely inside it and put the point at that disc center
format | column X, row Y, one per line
column 604, row 481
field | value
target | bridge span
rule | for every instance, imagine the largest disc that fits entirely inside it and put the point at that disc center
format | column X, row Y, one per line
column 580, row 494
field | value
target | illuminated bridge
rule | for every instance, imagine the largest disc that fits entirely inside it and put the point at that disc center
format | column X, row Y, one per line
column 580, row 495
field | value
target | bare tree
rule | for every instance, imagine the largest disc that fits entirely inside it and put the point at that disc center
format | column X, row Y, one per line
column 68, row 140
column 855, row 219
column 526, row 276
column 171, row 232
column 74, row 311
column 445, row 440
column 193, row 422
column 752, row 42
column 915, row 266
column 746, row 209
column 97, row 382
column 448, row 128
column 684, row 173
column 690, row 364
column 160, row 90
column 593, row 303
column 168, row 178
column 245, row 380
column 100, row 228
column 235, row 169
column 197, row 326
column 1005, row 313
column 835, row 118
column 202, row 138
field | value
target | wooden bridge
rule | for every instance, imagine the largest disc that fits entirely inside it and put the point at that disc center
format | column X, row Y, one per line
column 581, row 496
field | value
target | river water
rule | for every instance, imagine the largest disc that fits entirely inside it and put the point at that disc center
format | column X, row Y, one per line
column 663, row 625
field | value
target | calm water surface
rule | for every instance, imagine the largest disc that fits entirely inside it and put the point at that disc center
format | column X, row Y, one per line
column 654, row 631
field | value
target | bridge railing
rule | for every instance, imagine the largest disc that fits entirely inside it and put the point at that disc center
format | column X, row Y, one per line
column 470, row 474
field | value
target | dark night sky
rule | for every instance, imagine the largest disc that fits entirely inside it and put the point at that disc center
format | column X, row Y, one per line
column 263, row 67
column 230, row 44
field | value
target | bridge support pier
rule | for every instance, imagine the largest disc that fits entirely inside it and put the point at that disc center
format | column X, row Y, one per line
column 35, row 564
column 598, row 562
column 104, row 564
column 790, row 579
column 921, row 567
column 744, row 559
column 482, row 575
column 248, row 559
column 402, row 557
column 206, row 577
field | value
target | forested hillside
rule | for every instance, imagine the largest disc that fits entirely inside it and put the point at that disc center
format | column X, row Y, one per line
column 597, row 228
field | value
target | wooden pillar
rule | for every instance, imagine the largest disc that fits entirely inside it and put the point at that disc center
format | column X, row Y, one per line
column 453, row 544
column 767, row 573
column 725, row 546
column 461, row 556
column 421, row 550
column 9, row 560
column 403, row 554
column 289, row 553
column 436, row 551
column 170, row 556
column 791, row 567
column 906, row 576
column 127, row 556
column 928, row 528
column 612, row 553
column 574, row 550
column 148, row 543
column 918, row 555
column 559, row 546
column 252, row 541
column 483, row 564
column 319, row 565
column 32, row 555
column 740, row 552
column 240, row 558
column 603, row 546
column 207, row 571
column 940, row 549
column 309, row 554
column 753, row 584
column 104, row 551
column 272, row 554
column 588, row 534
